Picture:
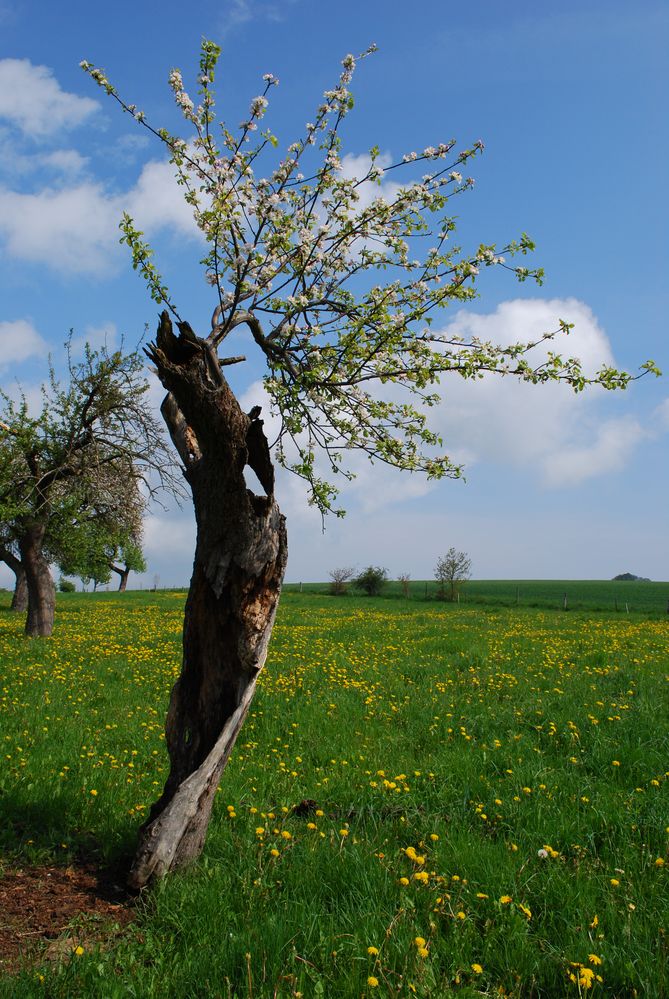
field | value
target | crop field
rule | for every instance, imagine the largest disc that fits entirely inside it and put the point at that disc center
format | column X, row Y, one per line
column 427, row 800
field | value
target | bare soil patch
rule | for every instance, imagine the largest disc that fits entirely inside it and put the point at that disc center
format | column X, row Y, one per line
column 47, row 912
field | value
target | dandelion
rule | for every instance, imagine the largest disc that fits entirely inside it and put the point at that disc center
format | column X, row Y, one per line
column 274, row 852
column 460, row 915
column 372, row 951
column 594, row 959
column 659, row 862
column 422, row 876
column 525, row 910
column 79, row 950
column 505, row 899
column 372, row 982
column 404, row 881
column 419, row 941
column 422, row 952
column 614, row 882
column 94, row 793
column 477, row 969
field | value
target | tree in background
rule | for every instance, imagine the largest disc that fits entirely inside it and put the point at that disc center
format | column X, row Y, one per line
column 337, row 283
column 404, row 579
column 371, row 580
column 452, row 570
column 92, row 434
column 9, row 554
column 339, row 579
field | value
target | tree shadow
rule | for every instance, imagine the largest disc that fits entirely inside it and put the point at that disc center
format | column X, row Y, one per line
column 39, row 832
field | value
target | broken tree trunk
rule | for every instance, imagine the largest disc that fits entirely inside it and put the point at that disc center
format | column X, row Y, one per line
column 240, row 559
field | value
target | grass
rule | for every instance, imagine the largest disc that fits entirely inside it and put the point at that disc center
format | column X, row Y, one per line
column 427, row 799
column 624, row 597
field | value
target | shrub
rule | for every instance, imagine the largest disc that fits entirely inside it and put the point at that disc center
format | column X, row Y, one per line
column 371, row 580
column 66, row 586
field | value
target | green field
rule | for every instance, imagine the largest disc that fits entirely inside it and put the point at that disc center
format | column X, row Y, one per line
column 582, row 594
column 427, row 799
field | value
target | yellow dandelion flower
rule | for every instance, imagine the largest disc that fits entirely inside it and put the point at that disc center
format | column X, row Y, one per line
column 659, row 862
column 285, row 834
column 460, row 915
column 421, row 876
column 477, row 969
column 94, row 793
column 505, row 899
column 373, row 951
column 274, row 852
column 372, row 982
column 422, row 952
column 594, row 959
column 419, row 941
column 614, row 882
column 404, row 881
column 79, row 950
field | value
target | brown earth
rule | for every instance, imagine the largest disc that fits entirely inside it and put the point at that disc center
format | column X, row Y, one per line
column 47, row 912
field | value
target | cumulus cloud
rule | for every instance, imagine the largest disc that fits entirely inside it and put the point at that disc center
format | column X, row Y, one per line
column 32, row 100
column 563, row 437
column 19, row 341
column 74, row 230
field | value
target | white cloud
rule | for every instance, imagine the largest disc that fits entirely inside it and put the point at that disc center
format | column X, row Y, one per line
column 661, row 415
column 19, row 341
column 74, row 230
column 32, row 99
column 545, row 428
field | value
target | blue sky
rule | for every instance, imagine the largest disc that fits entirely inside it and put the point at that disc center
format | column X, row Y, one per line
column 570, row 101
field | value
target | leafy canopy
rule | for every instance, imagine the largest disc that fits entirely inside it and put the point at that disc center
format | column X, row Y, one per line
column 338, row 280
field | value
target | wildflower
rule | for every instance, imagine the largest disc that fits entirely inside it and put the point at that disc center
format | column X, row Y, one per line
column 285, row 834
column 373, row 951
column 505, row 899
column 460, row 915
column 372, row 982
column 274, row 852
column 614, row 882
column 94, row 793
column 79, row 950
column 615, row 763
column 595, row 923
column 659, row 862
column 422, row 952
column 419, row 941
column 421, row 876
column 477, row 969
column 404, row 881
column 525, row 910
column 594, row 959
column 343, row 832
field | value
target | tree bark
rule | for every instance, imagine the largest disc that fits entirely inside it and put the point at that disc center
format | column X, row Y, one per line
column 41, row 590
column 20, row 596
column 123, row 574
column 240, row 559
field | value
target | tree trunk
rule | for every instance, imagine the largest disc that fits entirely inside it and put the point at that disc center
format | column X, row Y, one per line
column 41, row 590
column 240, row 559
column 123, row 574
column 20, row 597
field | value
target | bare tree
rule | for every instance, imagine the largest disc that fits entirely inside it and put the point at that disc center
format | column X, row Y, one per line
column 339, row 578
column 404, row 579
column 338, row 293
column 452, row 570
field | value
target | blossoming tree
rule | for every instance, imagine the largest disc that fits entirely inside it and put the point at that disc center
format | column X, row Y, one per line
column 338, row 282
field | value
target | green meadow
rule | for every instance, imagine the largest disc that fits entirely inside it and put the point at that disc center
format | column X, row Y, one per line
column 427, row 799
